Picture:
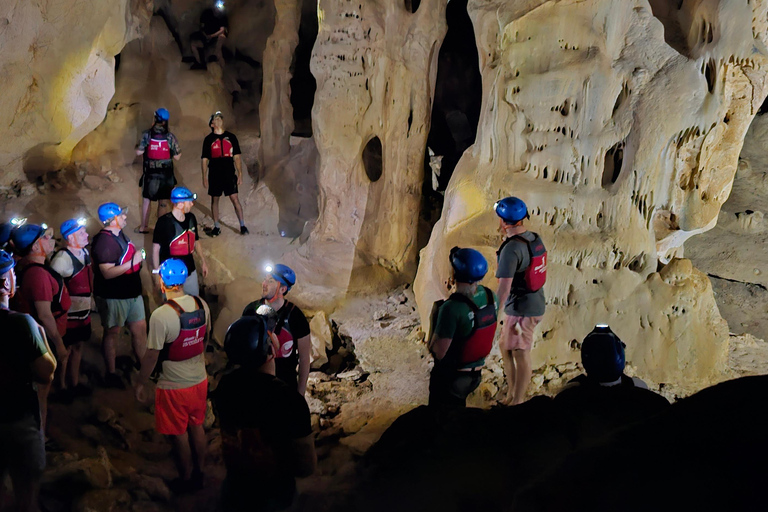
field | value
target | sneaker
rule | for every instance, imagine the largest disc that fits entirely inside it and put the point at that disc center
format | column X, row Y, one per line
column 113, row 380
column 214, row 232
column 244, row 230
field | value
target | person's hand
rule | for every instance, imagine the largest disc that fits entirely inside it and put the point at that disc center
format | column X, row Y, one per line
column 156, row 280
column 205, row 182
column 239, row 179
column 140, row 393
column 62, row 352
column 204, row 269
column 137, row 259
column 275, row 342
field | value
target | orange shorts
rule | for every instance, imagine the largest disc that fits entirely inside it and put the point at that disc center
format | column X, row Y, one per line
column 518, row 332
column 175, row 409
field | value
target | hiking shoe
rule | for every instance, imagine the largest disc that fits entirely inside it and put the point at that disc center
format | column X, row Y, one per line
column 244, row 230
column 214, row 232
column 113, row 380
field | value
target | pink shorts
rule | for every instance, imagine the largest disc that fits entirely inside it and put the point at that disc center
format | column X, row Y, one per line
column 175, row 409
column 518, row 338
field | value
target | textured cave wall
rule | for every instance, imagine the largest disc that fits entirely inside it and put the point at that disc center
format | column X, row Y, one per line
column 620, row 124
column 57, row 76
column 375, row 69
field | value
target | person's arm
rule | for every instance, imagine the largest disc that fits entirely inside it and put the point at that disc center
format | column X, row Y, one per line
column 177, row 156
column 46, row 319
column 239, row 169
column 43, row 367
column 142, row 145
column 148, row 363
column 505, row 286
column 304, row 456
column 204, row 166
column 111, row 271
column 155, row 255
column 305, row 350
column 445, row 328
column 439, row 346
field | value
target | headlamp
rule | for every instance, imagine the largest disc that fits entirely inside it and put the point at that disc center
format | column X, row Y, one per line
column 44, row 225
column 82, row 221
column 220, row 5
column 268, row 268
column 18, row 221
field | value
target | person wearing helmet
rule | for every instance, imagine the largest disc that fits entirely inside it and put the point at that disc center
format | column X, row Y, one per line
column 292, row 328
column 522, row 270
column 159, row 148
column 73, row 264
column 222, row 170
column 26, row 362
column 213, row 33
column 266, row 429
column 42, row 293
column 176, row 236
column 178, row 331
column 462, row 331
column 117, row 287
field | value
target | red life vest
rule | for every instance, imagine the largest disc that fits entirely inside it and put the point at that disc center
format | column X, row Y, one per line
column 128, row 250
column 282, row 330
column 222, row 148
column 191, row 339
column 532, row 278
column 478, row 344
column 183, row 242
column 79, row 284
column 158, row 148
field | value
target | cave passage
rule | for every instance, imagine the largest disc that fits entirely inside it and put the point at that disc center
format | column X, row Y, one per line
column 303, row 84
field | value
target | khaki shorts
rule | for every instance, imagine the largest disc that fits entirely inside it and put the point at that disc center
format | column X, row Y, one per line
column 119, row 312
column 518, row 332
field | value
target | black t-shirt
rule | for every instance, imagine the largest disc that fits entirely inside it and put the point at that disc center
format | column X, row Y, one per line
column 20, row 345
column 212, row 20
column 168, row 230
column 106, row 248
column 291, row 325
column 260, row 417
column 220, row 150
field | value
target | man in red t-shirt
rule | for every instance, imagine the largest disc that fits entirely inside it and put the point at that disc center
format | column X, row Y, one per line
column 41, row 294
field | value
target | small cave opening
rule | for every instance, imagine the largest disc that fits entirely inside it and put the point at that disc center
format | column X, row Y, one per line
column 668, row 15
column 455, row 110
column 372, row 159
column 710, row 74
column 303, row 83
column 614, row 158
column 412, row 5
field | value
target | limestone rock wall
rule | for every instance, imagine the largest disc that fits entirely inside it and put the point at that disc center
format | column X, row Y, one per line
column 619, row 123
column 57, row 76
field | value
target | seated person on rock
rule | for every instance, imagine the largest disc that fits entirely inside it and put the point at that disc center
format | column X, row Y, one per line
column 266, row 429
column 212, row 34
column 463, row 331
column 605, row 398
column 26, row 361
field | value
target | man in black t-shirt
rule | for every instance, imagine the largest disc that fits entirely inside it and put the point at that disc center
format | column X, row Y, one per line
column 213, row 32
column 117, row 287
column 222, row 170
column 176, row 237
column 265, row 425
column 292, row 329
column 25, row 360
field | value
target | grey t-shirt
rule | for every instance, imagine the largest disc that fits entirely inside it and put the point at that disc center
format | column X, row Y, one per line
column 514, row 259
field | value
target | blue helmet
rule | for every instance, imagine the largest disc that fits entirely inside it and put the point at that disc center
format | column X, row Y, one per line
column 109, row 211
column 181, row 194
column 283, row 274
column 469, row 265
column 173, row 272
column 6, row 262
column 24, row 236
column 247, row 341
column 71, row 226
column 602, row 354
column 511, row 209
column 162, row 115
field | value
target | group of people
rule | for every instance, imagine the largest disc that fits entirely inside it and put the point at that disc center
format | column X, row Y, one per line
column 45, row 306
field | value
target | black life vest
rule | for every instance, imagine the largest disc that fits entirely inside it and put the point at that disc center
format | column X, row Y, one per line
column 79, row 284
column 532, row 277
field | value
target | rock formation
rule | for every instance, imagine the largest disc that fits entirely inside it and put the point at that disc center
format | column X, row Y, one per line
column 619, row 123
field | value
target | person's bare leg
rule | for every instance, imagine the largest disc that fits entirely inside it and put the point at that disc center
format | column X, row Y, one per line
column 509, row 373
column 196, row 47
column 215, row 209
column 138, row 337
column 523, row 373
column 25, row 490
column 75, row 355
column 61, row 371
column 145, row 214
column 238, row 209
column 183, row 455
column 108, row 347
column 219, row 45
column 199, row 443
column 43, row 390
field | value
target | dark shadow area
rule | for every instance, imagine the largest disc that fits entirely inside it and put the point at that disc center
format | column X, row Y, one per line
column 412, row 5
column 667, row 12
column 303, row 84
column 614, row 158
column 372, row 159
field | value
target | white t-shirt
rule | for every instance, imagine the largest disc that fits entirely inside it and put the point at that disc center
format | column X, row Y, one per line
column 62, row 263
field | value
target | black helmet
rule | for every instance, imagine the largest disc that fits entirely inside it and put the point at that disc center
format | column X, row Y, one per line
column 247, row 341
column 602, row 354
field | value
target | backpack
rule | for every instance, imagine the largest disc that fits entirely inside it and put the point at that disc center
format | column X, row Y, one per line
column 533, row 277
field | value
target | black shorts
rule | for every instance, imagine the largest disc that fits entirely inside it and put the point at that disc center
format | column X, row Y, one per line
column 158, row 183
column 77, row 334
column 218, row 184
